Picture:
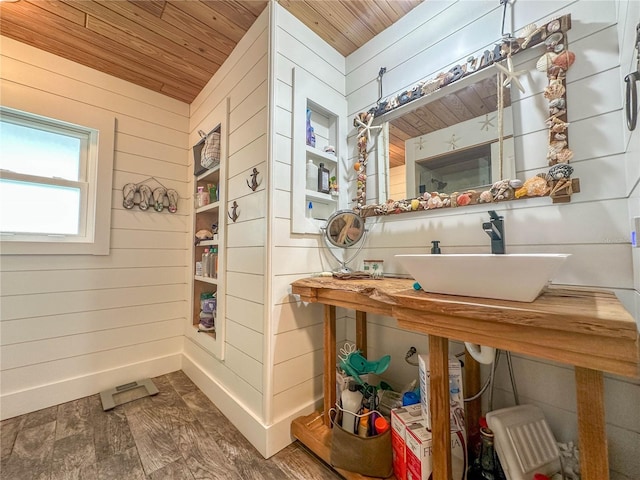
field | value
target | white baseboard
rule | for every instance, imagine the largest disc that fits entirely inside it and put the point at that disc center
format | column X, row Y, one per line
column 268, row 440
column 43, row 396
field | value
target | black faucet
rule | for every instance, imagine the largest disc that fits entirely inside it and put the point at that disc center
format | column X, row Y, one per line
column 495, row 230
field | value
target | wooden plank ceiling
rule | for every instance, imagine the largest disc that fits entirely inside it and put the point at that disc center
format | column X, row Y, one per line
column 175, row 46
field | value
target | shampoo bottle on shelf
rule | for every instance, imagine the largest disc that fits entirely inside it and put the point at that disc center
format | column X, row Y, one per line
column 202, row 198
column 312, row 176
column 205, row 263
column 323, row 179
column 213, row 262
column 351, row 400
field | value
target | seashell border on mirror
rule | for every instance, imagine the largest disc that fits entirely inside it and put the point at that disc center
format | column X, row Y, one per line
column 556, row 183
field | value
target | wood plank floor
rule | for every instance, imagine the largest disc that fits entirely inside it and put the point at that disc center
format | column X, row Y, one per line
column 178, row 434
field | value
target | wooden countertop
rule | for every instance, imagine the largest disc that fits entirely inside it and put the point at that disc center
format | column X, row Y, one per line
column 582, row 327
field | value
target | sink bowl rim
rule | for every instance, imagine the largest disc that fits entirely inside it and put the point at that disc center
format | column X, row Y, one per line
column 484, row 280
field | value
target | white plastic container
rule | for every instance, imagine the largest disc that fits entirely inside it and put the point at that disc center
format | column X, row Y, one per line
column 202, row 197
column 312, row 176
column 351, row 403
column 206, row 263
column 524, row 442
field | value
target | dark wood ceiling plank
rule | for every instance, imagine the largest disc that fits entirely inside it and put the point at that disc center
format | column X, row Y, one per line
column 383, row 7
column 154, row 7
column 213, row 19
column 174, row 66
column 342, row 18
column 472, row 101
column 174, row 46
column 88, row 57
column 234, row 11
column 159, row 26
column 396, row 158
column 148, row 42
column 119, row 59
column 254, row 6
column 401, row 7
column 176, row 17
column 487, row 90
column 442, row 112
column 408, row 125
column 397, row 134
column 487, row 87
column 63, row 10
column 428, row 118
column 327, row 31
column 370, row 13
column 456, row 107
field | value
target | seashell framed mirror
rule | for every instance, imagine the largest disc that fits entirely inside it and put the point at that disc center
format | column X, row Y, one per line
column 453, row 135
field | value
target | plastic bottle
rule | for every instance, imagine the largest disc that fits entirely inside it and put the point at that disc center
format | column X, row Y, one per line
column 310, row 210
column 311, row 137
column 381, row 425
column 205, row 263
column 202, row 197
column 312, row 176
column 351, row 402
column 323, row 179
column 487, row 454
column 213, row 262
column 213, row 196
column 363, row 422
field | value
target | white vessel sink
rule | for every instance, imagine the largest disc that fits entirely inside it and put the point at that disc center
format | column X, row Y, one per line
column 518, row 277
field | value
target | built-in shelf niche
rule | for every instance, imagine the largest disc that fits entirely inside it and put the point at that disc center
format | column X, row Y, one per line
column 328, row 118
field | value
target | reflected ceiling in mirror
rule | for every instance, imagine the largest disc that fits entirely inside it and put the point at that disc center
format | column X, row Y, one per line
column 452, row 143
column 471, row 101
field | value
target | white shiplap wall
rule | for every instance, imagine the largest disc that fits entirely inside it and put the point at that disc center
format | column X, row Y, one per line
column 296, row 329
column 236, row 384
column 74, row 325
column 594, row 227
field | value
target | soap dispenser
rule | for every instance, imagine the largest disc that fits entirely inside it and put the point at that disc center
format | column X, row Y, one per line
column 435, row 247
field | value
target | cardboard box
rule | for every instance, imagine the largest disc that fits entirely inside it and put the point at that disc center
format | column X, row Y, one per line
column 455, row 391
column 419, row 453
column 400, row 418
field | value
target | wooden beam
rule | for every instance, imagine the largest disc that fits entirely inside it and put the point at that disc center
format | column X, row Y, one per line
column 329, row 380
column 473, row 409
column 361, row 332
column 592, row 435
column 439, row 406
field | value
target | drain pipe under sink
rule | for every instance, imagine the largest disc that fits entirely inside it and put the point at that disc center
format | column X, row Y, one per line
column 481, row 354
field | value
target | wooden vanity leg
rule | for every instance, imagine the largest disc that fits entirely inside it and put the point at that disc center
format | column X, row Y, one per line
column 329, row 381
column 361, row 332
column 592, row 435
column 440, row 426
column 473, row 409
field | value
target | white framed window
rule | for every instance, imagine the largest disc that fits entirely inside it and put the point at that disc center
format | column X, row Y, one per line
column 55, row 183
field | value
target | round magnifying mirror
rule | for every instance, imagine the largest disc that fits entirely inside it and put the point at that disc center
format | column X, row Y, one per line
column 344, row 228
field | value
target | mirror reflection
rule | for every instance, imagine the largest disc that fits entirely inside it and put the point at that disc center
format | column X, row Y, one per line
column 450, row 142
column 344, row 228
